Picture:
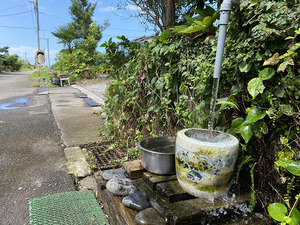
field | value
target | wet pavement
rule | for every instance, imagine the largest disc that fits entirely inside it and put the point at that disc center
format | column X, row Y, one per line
column 32, row 161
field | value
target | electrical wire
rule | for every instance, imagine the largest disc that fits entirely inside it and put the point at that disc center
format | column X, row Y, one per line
column 15, row 13
column 10, row 8
column 26, row 28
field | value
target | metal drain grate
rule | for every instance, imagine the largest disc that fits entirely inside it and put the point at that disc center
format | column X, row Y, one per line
column 106, row 159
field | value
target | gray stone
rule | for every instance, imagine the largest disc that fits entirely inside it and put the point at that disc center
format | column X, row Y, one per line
column 121, row 187
column 114, row 174
column 88, row 183
column 149, row 216
column 76, row 164
column 137, row 201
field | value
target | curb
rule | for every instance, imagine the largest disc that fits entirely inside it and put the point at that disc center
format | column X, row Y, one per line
column 89, row 94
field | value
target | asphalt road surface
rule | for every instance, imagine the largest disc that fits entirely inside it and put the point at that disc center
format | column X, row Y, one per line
column 32, row 161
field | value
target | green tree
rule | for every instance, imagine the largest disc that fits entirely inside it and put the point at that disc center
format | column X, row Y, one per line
column 80, row 37
column 164, row 14
column 82, row 27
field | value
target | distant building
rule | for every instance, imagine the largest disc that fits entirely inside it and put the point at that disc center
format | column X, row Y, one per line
column 142, row 39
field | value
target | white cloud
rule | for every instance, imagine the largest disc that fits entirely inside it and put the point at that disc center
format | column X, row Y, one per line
column 22, row 50
column 107, row 9
column 28, row 52
column 132, row 8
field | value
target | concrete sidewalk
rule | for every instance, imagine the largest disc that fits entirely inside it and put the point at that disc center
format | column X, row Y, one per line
column 78, row 122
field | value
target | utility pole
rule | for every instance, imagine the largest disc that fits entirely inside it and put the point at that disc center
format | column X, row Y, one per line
column 38, row 34
column 48, row 53
column 37, row 23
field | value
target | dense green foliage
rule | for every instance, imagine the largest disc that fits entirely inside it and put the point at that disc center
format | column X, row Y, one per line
column 12, row 62
column 166, row 85
column 80, row 38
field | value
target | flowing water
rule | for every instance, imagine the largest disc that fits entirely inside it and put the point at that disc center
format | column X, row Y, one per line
column 213, row 105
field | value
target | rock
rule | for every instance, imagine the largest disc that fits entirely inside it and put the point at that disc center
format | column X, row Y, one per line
column 121, row 187
column 137, row 201
column 149, row 216
column 114, row 174
column 88, row 183
column 77, row 165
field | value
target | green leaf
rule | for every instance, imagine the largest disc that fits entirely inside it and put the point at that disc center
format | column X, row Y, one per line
column 279, row 92
column 159, row 84
column 154, row 79
column 150, row 109
column 255, row 86
column 244, row 67
column 277, row 211
column 286, row 109
column 294, row 167
column 246, row 132
column 235, row 89
column 266, row 73
column 232, row 104
column 295, row 217
column 254, row 115
column 164, row 35
column 182, row 88
column 235, row 125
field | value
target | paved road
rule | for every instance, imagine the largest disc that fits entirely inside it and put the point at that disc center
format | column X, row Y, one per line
column 32, row 162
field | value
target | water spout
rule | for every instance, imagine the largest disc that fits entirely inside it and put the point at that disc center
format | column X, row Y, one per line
column 224, row 17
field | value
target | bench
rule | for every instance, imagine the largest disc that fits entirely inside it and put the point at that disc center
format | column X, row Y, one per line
column 64, row 77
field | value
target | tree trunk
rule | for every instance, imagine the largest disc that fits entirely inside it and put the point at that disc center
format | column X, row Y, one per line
column 169, row 13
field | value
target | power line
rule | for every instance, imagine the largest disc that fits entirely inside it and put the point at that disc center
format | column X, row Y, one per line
column 26, row 28
column 15, row 13
column 10, row 8
column 60, row 19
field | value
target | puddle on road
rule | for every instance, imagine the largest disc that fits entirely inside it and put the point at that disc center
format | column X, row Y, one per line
column 14, row 103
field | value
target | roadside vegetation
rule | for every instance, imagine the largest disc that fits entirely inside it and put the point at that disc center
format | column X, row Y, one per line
column 80, row 38
column 165, row 85
column 12, row 62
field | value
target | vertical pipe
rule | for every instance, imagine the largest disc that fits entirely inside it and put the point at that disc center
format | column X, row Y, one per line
column 224, row 17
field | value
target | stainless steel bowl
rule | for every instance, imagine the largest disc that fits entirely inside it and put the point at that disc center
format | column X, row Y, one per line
column 158, row 154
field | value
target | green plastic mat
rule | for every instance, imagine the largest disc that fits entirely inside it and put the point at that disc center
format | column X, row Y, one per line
column 69, row 208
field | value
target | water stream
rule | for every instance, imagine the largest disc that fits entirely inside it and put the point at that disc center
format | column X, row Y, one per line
column 213, row 105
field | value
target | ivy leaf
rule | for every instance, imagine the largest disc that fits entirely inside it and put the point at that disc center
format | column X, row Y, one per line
column 286, row 109
column 255, row 86
column 272, row 61
column 159, row 84
column 244, row 67
column 294, row 167
column 266, row 73
column 277, row 211
column 235, row 89
column 295, row 217
column 279, row 92
column 246, row 132
column 255, row 115
column 284, row 64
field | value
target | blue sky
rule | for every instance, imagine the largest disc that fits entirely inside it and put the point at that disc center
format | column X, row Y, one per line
column 18, row 24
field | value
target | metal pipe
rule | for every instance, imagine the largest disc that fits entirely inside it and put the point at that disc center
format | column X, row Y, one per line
column 224, row 17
